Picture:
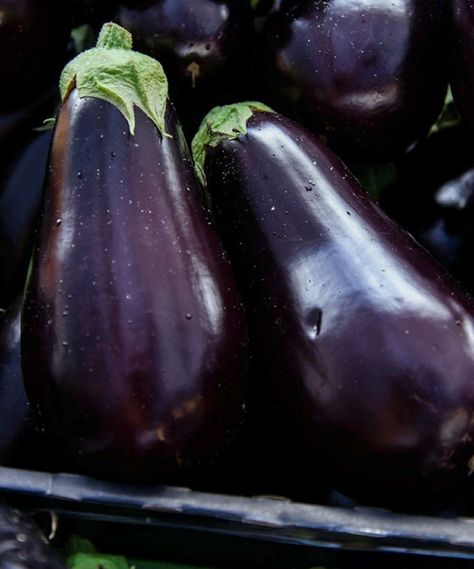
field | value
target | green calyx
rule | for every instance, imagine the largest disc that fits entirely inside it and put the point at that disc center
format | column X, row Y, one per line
column 222, row 123
column 113, row 72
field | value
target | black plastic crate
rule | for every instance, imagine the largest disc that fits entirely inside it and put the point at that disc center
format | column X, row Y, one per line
column 230, row 531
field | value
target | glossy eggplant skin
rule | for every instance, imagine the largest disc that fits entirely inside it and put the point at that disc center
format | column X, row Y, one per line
column 21, row 189
column 134, row 337
column 33, row 40
column 462, row 58
column 368, row 76
column 366, row 341
column 203, row 45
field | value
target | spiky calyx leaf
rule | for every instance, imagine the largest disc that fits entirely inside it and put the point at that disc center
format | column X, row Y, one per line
column 222, row 123
column 113, row 72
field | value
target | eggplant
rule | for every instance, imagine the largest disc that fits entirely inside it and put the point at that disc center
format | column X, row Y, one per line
column 369, row 77
column 22, row 545
column 21, row 189
column 18, row 441
column 437, row 179
column 134, row 344
column 33, row 36
column 462, row 58
column 366, row 342
column 203, row 45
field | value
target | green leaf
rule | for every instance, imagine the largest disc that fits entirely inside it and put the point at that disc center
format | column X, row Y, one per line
column 222, row 123
column 125, row 78
column 77, row 544
column 374, row 179
column 449, row 116
column 96, row 561
column 82, row 554
column 48, row 124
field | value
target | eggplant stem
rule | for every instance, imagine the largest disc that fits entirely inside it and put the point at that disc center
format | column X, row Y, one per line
column 113, row 36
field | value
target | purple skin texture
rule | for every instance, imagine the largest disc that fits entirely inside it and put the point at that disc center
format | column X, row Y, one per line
column 367, row 75
column 134, row 337
column 21, row 188
column 16, row 421
column 203, row 45
column 462, row 58
column 21, row 444
column 35, row 35
column 22, row 169
column 367, row 342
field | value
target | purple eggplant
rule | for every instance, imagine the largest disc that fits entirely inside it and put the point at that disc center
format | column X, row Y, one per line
column 134, row 335
column 368, row 76
column 21, row 188
column 462, row 57
column 436, row 179
column 18, row 441
column 33, row 40
column 365, row 340
column 203, row 45
column 21, row 444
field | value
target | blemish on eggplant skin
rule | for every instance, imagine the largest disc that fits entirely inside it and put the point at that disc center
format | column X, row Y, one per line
column 314, row 322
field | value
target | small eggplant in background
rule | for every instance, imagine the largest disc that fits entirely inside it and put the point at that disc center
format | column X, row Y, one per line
column 366, row 342
column 21, row 189
column 205, row 48
column 134, row 341
column 368, row 76
column 433, row 198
